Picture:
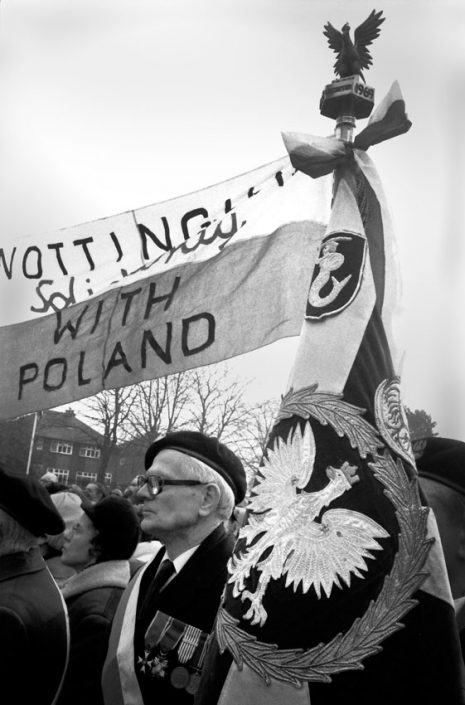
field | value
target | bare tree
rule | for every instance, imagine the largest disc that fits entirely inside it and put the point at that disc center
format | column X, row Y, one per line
column 217, row 406
column 206, row 399
column 109, row 412
column 420, row 423
column 159, row 406
column 260, row 420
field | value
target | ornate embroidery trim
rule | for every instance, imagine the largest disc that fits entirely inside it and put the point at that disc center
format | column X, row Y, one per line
column 391, row 419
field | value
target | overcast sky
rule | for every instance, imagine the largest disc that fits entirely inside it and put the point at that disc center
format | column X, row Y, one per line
column 110, row 105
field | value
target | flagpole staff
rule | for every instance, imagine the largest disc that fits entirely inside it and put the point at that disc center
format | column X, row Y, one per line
column 31, row 443
column 348, row 97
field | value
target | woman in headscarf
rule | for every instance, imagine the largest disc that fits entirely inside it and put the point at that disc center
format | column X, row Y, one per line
column 98, row 548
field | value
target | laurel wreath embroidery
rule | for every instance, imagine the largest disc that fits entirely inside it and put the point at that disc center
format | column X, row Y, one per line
column 382, row 617
column 330, row 409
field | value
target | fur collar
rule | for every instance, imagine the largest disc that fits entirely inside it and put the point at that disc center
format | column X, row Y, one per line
column 106, row 574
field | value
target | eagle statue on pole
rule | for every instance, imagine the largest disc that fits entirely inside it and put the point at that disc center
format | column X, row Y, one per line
column 352, row 57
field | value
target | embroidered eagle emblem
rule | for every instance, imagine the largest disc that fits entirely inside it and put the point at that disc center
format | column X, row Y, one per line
column 287, row 535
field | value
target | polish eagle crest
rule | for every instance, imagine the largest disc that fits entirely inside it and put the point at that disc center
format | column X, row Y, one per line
column 352, row 57
column 290, row 535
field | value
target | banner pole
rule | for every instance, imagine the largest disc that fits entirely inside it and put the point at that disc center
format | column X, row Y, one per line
column 31, row 444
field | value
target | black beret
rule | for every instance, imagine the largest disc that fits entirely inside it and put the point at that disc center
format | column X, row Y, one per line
column 118, row 527
column 207, row 449
column 25, row 499
column 443, row 460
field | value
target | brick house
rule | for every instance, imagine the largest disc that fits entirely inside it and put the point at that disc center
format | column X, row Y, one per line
column 68, row 447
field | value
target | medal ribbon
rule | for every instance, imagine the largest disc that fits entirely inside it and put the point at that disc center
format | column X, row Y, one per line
column 189, row 643
column 163, row 631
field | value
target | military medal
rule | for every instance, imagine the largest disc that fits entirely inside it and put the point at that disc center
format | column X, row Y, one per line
column 144, row 662
column 166, row 635
column 158, row 666
column 194, row 681
column 179, row 677
column 193, row 684
column 162, row 636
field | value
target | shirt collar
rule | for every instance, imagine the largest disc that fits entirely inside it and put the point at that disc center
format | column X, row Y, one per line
column 181, row 560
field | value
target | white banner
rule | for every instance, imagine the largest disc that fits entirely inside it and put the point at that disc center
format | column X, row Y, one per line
column 182, row 284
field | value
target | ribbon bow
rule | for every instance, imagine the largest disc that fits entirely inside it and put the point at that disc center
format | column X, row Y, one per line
column 318, row 156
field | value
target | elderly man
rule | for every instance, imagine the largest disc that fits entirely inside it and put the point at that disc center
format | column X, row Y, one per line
column 441, row 469
column 159, row 634
column 34, row 640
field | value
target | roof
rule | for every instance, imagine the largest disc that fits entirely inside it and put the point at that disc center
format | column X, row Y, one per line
column 67, row 427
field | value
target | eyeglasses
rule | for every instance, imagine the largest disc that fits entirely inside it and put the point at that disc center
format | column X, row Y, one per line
column 155, row 484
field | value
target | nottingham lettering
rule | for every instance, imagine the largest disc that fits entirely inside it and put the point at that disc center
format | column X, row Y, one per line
column 56, row 258
column 165, row 235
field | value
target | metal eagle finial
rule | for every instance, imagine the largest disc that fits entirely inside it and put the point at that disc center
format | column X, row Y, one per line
column 352, row 57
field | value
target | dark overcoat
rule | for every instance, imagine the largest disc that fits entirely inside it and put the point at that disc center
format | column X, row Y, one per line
column 192, row 597
column 34, row 639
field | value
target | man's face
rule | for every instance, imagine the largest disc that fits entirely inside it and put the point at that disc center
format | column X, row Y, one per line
column 77, row 548
column 176, row 508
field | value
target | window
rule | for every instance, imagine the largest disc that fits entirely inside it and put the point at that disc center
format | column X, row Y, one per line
column 61, row 447
column 89, row 452
column 62, row 475
column 86, row 477
column 39, row 443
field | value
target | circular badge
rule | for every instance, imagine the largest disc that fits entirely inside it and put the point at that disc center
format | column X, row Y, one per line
column 179, row 677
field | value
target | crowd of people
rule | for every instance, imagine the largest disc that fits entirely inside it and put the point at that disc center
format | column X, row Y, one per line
column 109, row 598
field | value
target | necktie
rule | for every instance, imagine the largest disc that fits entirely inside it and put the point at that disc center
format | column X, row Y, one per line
column 149, row 591
column 164, row 573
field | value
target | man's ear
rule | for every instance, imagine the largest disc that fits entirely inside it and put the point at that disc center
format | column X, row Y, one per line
column 211, row 497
